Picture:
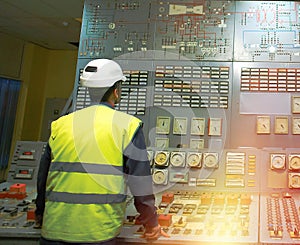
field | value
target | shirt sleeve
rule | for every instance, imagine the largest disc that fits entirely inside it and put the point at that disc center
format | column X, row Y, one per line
column 139, row 179
column 41, row 180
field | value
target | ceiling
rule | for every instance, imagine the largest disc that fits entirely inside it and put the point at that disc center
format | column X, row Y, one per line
column 52, row 24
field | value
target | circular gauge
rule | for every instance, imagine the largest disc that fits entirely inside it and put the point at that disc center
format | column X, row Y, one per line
column 210, row 160
column 177, row 159
column 294, row 162
column 194, row 160
column 159, row 177
column 294, row 180
column 277, row 161
column 161, row 158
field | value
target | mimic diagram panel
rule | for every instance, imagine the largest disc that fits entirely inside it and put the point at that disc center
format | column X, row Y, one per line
column 196, row 30
column 267, row 31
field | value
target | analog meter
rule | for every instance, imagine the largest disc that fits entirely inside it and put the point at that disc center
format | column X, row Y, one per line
column 277, row 161
column 161, row 158
column 210, row 160
column 294, row 180
column 194, row 159
column 177, row 159
column 294, row 162
column 160, row 176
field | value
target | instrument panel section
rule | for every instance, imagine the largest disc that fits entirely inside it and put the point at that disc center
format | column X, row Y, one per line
column 195, row 85
column 191, row 100
column 193, row 169
column 25, row 162
column 279, row 199
column 266, row 111
column 282, row 223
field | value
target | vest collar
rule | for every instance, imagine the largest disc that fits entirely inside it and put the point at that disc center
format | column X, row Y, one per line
column 107, row 104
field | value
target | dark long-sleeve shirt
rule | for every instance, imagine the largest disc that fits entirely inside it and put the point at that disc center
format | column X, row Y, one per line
column 136, row 169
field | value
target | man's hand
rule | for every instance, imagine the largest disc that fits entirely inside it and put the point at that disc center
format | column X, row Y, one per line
column 154, row 233
column 38, row 221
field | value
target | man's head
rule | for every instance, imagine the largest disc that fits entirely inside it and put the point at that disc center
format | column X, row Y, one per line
column 103, row 77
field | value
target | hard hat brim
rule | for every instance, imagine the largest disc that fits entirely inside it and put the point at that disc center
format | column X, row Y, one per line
column 95, row 83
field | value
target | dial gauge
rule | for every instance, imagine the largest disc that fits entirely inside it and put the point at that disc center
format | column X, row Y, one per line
column 194, row 159
column 296, row 125
column 162, row 125
column 294, row 162
column 180, row 125
column 160, row 176
column 295, row 104
column 210, row 160
column 215, row 126
column 281, row 125
column 197, row 126
column 277, row 161
column 263, row 125
column 294, row 180
column 177, row 159
column 161, row 158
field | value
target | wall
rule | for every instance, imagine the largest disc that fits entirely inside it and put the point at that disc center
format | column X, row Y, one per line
column 61, row 73
column 44, row 74
column 11, row 50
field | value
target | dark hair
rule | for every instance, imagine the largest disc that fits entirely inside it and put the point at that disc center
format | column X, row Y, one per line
column 110, row 90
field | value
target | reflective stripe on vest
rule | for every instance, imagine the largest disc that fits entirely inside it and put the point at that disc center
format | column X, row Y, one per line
column 86, row 168
column 85, row 198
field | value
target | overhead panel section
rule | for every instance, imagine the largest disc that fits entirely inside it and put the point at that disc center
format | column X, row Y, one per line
column 267, row 31
column 194, row 30
column 112, row 28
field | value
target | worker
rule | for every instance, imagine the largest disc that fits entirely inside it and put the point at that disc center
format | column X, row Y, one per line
column 92, row 155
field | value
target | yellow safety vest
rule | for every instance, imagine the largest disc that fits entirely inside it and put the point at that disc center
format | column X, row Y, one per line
column 85, row 191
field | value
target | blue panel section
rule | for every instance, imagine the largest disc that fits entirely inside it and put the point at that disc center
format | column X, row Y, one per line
column 9, row 94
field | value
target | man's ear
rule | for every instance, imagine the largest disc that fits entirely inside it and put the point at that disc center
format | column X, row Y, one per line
column 116, row 93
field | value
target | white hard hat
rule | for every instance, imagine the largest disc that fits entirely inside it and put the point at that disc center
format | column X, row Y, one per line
column 101, row 73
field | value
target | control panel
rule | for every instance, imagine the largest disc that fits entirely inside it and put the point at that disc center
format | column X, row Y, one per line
column 216, row 84
column 203, row 216
column 237, row 196
column 17, row 195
